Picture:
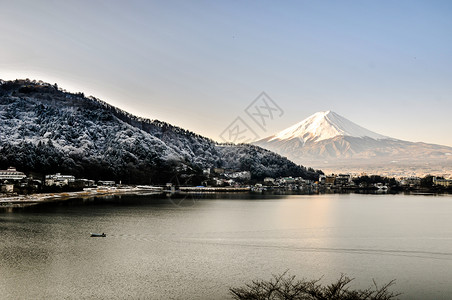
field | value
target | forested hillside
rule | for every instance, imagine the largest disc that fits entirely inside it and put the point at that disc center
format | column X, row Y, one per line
column 45, row 130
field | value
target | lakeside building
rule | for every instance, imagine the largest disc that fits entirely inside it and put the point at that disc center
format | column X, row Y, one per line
column 343, row 179
column 442, row 182
column 85, row 182
column 245, row 175
column 269, row 180
column 11, row 174
column 411, row 181
column 58, row 179
column 330, row 180
column 286, row 180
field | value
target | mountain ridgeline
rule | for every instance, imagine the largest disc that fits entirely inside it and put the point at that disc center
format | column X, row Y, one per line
column 46, row 130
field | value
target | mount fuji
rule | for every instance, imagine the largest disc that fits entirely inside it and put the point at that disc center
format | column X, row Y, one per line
column 328, row 140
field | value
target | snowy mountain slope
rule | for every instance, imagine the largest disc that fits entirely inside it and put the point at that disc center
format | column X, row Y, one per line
column 45, row 130
column 327, row 138
column 322, row 126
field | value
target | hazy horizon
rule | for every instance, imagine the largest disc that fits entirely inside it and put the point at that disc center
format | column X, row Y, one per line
column 383, row 65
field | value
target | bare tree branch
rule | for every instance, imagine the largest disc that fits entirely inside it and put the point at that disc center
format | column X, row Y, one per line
column 287, row 287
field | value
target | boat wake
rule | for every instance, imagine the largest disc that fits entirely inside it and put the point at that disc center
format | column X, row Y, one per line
column 231, row 243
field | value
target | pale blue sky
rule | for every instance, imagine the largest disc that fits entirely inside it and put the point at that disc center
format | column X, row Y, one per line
column 386, row 65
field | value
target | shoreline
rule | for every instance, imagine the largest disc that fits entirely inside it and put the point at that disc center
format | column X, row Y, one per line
column 47, row 197
column 32, row 199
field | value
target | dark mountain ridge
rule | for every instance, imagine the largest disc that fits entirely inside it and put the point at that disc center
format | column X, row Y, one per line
column 45, row 129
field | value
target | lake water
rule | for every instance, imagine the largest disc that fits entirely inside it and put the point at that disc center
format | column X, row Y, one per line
column 196, row 248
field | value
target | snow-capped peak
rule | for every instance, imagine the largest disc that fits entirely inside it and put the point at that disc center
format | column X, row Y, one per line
column 322, row 126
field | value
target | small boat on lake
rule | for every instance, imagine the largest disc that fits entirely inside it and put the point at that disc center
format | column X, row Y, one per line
column 98, row 234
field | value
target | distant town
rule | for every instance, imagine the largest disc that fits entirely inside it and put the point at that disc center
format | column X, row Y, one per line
column 14, row 182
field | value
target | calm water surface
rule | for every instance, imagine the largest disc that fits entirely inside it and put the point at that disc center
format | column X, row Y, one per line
column 196, row 248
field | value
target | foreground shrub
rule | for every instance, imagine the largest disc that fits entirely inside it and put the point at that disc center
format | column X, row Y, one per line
column 286, row 287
